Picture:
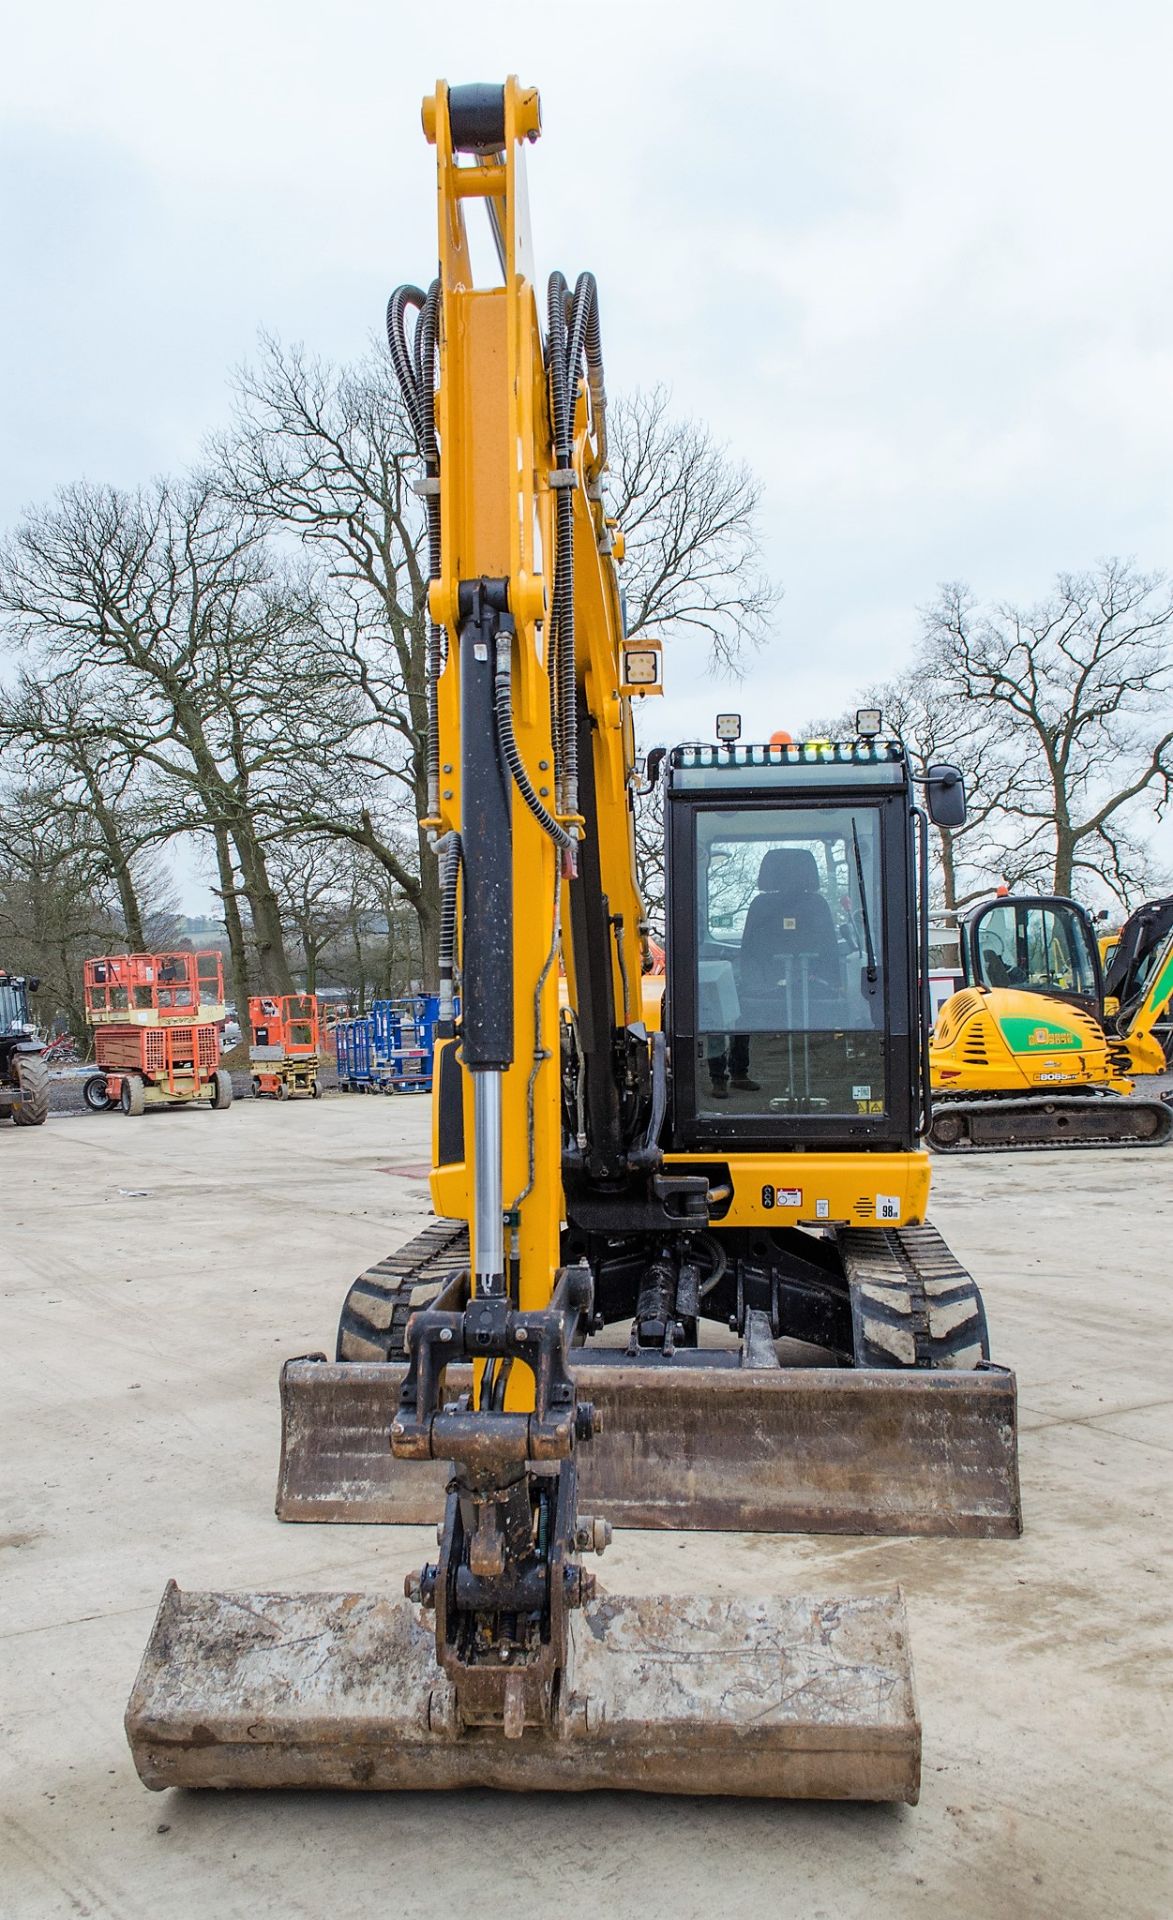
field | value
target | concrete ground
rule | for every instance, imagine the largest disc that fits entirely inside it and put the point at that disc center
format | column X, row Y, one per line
column 155, row 1272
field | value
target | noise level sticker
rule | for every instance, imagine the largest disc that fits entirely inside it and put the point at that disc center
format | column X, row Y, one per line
column 887, row 1206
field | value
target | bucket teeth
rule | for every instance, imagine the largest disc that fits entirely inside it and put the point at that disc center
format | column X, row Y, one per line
column 772, row 1698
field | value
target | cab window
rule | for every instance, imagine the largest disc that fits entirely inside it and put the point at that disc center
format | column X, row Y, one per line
column 790, row 961
column 1040, row 948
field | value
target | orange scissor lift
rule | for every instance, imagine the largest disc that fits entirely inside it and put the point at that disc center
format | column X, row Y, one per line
column 283, row 1051
column 157, row 1020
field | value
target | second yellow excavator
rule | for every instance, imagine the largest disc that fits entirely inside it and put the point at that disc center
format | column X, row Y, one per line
column 1138, row 981
column 1028, row 1052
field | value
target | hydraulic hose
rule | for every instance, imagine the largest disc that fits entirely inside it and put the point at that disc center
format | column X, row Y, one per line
column 415, row 370
column 541, row 1053
column 557, row 300
column 648, row 1156
column 573, row 333
column 450, row 855
column 507, row 741
column 719, row 1267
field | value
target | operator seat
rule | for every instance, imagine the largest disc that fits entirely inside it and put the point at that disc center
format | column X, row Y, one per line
column 788, row 919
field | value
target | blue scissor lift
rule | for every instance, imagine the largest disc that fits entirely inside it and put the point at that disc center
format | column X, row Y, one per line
column 389, row 1049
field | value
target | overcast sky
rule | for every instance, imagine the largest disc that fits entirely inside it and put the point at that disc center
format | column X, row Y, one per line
column 909, row 260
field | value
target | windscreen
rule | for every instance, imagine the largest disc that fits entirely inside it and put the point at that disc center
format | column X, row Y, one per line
column 790, row 962
column 1045, row 949
column 12, row 1014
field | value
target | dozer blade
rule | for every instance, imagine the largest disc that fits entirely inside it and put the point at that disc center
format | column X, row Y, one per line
column 773, row 1698
column 777, row 1450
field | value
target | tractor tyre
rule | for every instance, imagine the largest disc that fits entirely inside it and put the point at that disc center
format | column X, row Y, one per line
column 133, row 1097
column 221, row 1089
column 31, row 1109
column 94, row 1094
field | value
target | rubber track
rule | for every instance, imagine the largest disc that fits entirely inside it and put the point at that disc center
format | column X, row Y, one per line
column 375, row 1313
column 912, row 1302
column 1097, row 1103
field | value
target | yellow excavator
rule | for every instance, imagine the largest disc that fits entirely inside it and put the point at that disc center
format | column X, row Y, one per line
column 1138, row 983
column 1032, row 1052
column 680, row 1274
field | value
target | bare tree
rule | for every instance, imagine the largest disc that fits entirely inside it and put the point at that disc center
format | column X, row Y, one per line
column 58, row 906
column 64, row 753
column 196, row 659
column 328, row 455
column 1075, row 692
column 315, row 883
column 689, row 516
column 935, row 726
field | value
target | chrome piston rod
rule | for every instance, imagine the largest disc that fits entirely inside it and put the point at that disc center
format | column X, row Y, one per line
column 488, row 1226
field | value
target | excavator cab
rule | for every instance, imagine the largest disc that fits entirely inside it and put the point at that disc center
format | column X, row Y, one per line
column 1036, row 943
column 793, row 992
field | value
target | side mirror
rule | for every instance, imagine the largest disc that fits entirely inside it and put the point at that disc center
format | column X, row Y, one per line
column 33, row 984
column 945, row 795
column 655, row 761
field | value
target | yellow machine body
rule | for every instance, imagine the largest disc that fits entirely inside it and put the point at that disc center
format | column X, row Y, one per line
column 806, row 1189
column 1005, row 1040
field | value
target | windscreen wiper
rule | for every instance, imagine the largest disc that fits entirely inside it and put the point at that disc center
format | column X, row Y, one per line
column 872, row 969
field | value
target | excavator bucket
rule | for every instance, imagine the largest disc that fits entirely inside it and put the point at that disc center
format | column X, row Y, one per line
column 775, row 1698
column 747, row 1448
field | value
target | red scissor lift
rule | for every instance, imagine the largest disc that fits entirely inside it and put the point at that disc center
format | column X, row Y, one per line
column 157, row 1019
column 284, row 1047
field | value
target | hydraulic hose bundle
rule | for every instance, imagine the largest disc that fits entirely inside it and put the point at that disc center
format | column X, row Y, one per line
column 574, row 337
column 415, row 370
column 511, row 753
column 449, row 851
column 573, row 332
